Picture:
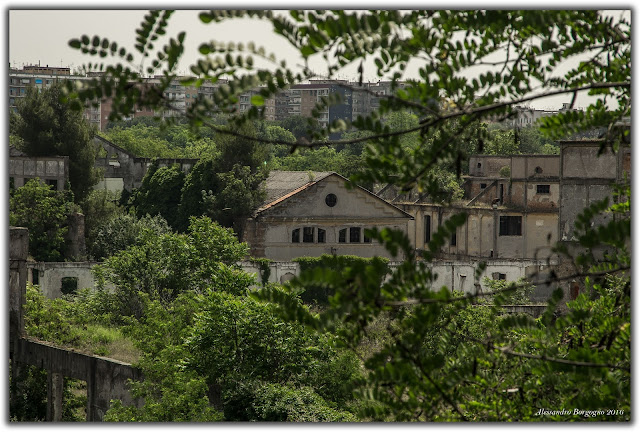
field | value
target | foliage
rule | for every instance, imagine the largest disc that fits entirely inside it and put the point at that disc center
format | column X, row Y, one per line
column 227, row 196
column 99, row 207
column 264, row 265
column 43, row 211
column 124, row 230
column 320, row 293
column 78, row 321
column 48, row 127
column 444, row 358
column 159, row 194
column 474, row 65
column 162, row 267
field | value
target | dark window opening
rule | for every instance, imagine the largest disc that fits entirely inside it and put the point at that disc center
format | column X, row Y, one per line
column 427, row 229
column 295, row 236
column 12, row 183
column 479, row 165
column 354, row 235
column 342, row 236
column 483, row 185
column 510, row 225
column 543, row 189
column 322, row 235
column 53, row 182
column 501, row 194
column 35, row 276
column 367, row 239
column 538, row 170
column 502, row 276
column 307, row 234
column 69, row 285
column 331, row 200
column 454, row 239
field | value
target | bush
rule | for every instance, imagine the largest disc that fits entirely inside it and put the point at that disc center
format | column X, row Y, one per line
column 320, row 294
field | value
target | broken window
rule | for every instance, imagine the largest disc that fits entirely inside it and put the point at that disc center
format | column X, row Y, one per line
column 342, row 236
column 354, row 235
column 322, row 235
column 295, row 236
column 53, row 183
column 543, row 189
column 483, row 185
column 307, row 234
column 69, row 285
column 510, row 225
column 454, row 239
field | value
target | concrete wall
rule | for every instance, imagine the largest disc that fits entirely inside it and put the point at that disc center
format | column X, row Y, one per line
column 50, row 275
column 23, row 168
column 586, row 178
column 479, row 236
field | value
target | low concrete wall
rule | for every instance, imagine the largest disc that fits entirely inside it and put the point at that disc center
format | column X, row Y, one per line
column 457, row 275
column 50, row 274
column 106, row 378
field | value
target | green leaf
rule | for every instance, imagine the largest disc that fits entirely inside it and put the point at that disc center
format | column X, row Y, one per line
column 257, row 100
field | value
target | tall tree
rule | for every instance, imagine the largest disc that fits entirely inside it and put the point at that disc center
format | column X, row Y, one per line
column 43, row 211
column 49, row 127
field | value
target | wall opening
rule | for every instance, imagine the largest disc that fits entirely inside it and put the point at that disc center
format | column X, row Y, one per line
column 427, row 228
column 69, row 285
column 510, row 225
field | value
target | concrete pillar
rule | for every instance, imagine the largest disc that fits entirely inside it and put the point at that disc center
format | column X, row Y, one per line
column 18, row 251
column 55, row 387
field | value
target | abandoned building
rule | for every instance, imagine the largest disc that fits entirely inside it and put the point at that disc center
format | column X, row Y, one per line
column 123, row 170
column 315, row 213
column 51, row 170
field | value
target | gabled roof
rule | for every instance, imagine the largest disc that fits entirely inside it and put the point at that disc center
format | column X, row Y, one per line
column 282, row 185
column 115, row 146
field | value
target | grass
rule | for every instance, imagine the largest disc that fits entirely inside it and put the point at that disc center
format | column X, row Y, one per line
column 106, row 342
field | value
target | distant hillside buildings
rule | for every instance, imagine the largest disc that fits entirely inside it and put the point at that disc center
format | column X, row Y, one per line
column 357, row 99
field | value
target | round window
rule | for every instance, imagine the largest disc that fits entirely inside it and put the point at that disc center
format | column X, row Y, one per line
column 331, row 200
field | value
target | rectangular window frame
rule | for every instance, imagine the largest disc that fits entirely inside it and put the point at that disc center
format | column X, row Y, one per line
column 295, row 236
column 543, row 189
column 308, row 234
column 355, row 235
column 510, row 225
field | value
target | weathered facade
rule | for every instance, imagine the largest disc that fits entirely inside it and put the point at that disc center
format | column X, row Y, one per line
column 124, row 170
column 51, row 170
column 587, row 176
column 310, row 214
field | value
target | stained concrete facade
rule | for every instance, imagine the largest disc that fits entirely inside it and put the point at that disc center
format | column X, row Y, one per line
column 531, row 235
column 51, row 170
column 587, row 176
column 526, row 182
column 49, row 276
column 316, row 213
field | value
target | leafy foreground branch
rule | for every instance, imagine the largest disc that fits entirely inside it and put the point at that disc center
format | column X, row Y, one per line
column 446, row 357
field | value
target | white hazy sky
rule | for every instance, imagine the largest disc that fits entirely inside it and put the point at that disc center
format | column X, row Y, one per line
column 41, row 33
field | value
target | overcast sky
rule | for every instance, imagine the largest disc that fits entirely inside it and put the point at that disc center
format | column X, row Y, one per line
column 41, row 36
